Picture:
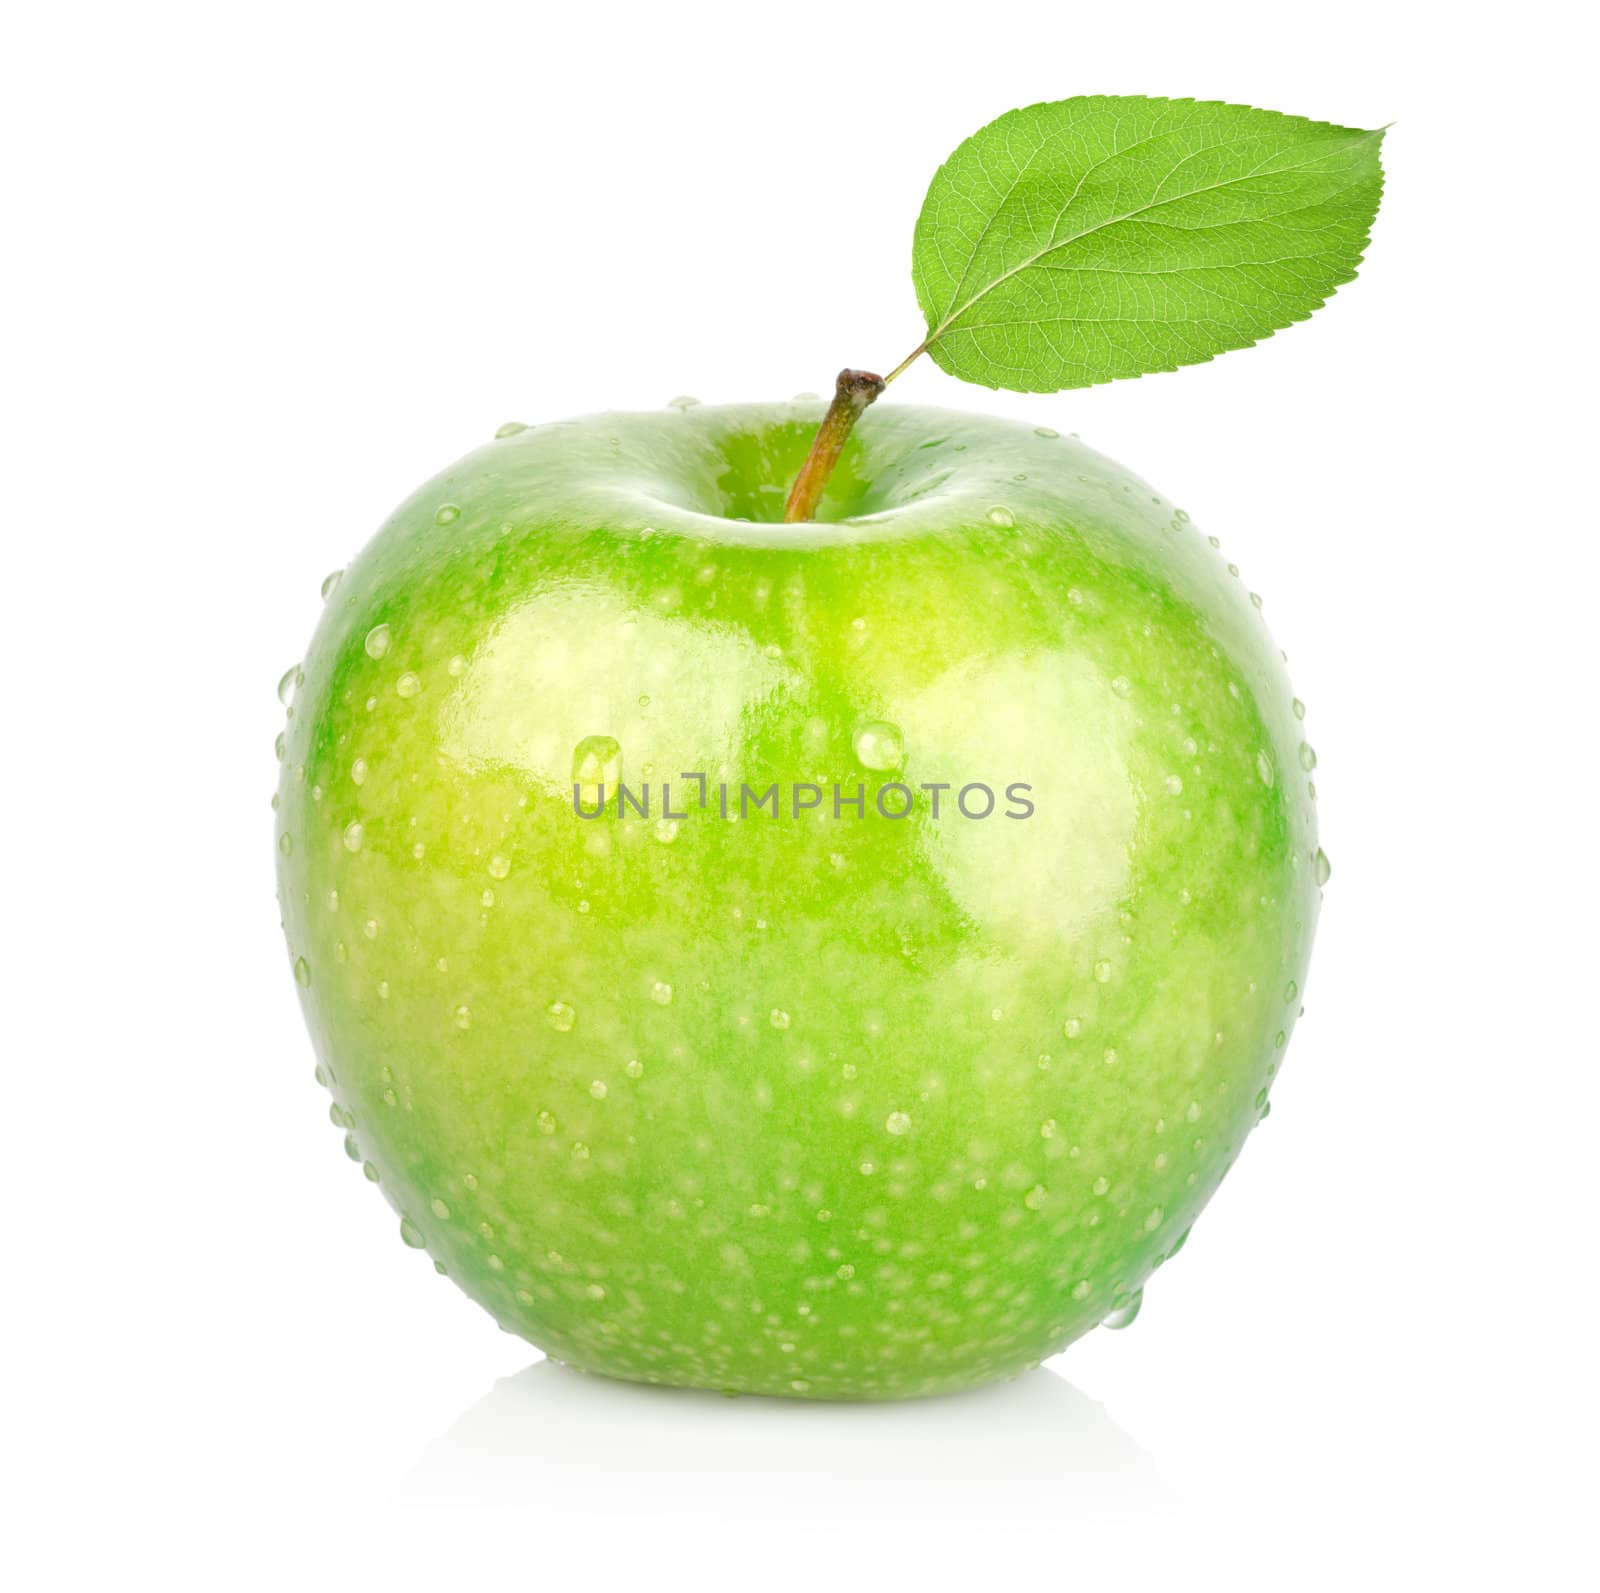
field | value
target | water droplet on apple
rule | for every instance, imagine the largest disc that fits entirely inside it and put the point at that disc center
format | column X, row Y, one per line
column 302, row 972
column 409, row 684
column 596, row 762
column 1174, row 785
column 448, row 514
column 377, row 642
column 661, row 993
column 1036, row 1197
column 1048, row 1128
column 1299, row 708
column 898, row 1123
column 411, row 1234
column 634, row 1069
column 1121, row 685
column 1154, row 1220
column 1045, row 431
column 463, row 1017
column 1265, row 770
column 683, row 401
column 1102, row 971
column 369, row 1172
column 1000, row 515
column 358, row 771
column 510, row 429
column 355, row 833
column 287, row 682
column 499, row 866
column 279, row 747
column 1290, row 991
column 1123, row 1310
column 598, row 1090
column 879, row 745
column 666, row 831
column 778, row 1018
column 560, row 1017
column 329, row 582
column 1255, row 598
column 1308, row 756
column 1323, row 867
column 1072, row 1028
column 546, row 1122
column 440, row 1209
column 286, row 843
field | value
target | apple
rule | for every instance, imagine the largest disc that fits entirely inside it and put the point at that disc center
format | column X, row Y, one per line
column 691, row 1078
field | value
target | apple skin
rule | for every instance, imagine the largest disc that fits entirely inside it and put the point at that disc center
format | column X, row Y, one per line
column 842, row 1108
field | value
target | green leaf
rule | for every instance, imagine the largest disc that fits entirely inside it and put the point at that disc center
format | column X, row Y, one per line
column 1089, row 239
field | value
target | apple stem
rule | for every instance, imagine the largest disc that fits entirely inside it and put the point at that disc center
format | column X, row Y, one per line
column 852, row 393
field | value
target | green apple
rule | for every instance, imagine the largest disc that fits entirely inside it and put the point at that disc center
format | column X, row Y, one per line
column 879, row 1094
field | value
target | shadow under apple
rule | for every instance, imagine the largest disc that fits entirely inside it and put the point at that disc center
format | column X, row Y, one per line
column 565, row 1443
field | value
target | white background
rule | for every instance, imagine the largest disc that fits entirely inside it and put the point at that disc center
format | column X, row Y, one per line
column 269, row 268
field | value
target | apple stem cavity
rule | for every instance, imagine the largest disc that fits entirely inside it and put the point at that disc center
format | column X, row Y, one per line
column 853, row 392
